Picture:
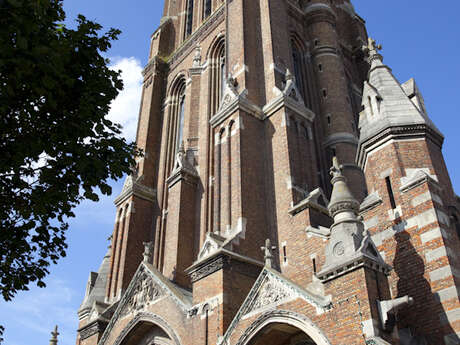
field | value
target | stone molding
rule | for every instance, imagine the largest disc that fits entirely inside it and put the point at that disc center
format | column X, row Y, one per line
column 370, row 202
column 280, row 316
column 231, row 104
column 91, row 329
column 418, row 178
column 352, row 264
column 150, row 317
column 134, row 187
column 210, row 267
column 342, row 137
column 395, row 132
column 216, row 261
column 311, row 201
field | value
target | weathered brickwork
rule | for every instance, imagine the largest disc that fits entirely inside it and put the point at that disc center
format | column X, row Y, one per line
column 292, row 191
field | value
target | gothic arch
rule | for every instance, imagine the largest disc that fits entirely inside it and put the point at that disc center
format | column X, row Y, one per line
column 153, row 320
column 215, row 45
column 179, row 80
column 296, row 320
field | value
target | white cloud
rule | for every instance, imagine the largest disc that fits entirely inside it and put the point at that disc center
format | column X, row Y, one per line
column 36, row 312
column 125, row 108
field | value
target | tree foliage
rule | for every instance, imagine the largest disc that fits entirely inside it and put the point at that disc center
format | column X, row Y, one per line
column 57, row 147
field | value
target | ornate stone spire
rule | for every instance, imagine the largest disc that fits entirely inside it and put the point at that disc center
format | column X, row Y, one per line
column 54, row 335
column 349, row 247
column 389, row 107
column 343, row 205
column 268, row 255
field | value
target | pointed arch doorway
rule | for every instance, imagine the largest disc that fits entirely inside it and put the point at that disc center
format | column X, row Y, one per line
column 281, row 334
column 147, row 329
column 283, row 328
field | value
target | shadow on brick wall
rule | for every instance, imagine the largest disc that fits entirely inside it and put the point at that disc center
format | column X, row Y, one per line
column 419, row 324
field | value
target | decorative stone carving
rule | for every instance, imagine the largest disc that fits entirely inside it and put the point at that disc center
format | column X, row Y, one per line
column 91, row 329
column 271, row 292
column 145, row 291
column 209, row 268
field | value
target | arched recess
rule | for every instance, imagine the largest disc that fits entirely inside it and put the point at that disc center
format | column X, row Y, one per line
column 147, row 329
column 286, row 327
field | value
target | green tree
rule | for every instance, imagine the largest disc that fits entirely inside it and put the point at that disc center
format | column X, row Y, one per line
column 57, row 148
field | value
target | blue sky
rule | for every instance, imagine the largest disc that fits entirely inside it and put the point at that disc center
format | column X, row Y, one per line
column 419, row 40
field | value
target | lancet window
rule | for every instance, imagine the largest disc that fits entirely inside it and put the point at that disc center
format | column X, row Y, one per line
column 177, row 117
column 207, row 8
column 301, row 71
column 218, row 73
column 189, row 19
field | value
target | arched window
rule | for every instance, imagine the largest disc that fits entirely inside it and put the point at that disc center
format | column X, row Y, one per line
column 207, row 8
column 218, row 73
column 222, row 73
column 176, row 118
column 180, row 122
column 301, row 71
column 298, row 67
column 189, row 19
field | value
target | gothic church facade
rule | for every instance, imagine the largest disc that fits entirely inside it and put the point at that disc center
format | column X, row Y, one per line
column 292, row 191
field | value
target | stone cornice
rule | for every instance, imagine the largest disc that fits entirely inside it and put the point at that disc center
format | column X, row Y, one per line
column 352, row 264
column 395, row 132
column 287, row 102
column 95, row 327
column 217, row 261
column 135, row 188
column 182, row 174
column 341, row 137
column 238, row 103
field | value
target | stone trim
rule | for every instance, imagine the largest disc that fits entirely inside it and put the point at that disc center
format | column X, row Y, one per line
column 280, row 316
column 133, row 187
column 91, row 329
column 150, row 317
column 216, row 261
column 395, row 132
column 370, row 202
column 352, row 265
column 342, row 137
column 209, row 267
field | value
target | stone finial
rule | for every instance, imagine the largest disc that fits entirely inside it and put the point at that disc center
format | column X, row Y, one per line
column 288, row 75
column 268, row 255
column 148, row 251
column 54, row 335
column 343, row 205
column 372, row 50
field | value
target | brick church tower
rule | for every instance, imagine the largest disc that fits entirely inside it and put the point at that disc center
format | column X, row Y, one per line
column 292, row 191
